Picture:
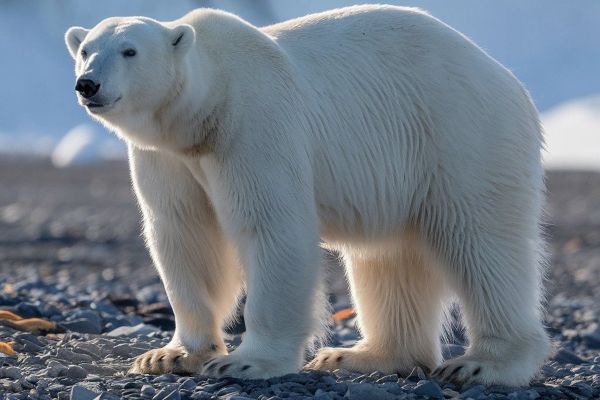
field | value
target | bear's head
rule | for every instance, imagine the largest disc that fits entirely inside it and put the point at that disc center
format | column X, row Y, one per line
column 127, row 66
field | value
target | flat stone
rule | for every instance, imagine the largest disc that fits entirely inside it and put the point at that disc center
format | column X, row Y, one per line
column 10, row 372
column 147, row 391
column 83, row 326
column 567, row 357
column 582, row 388
column 429, row 388
column 55, row 369
column 188, row 384
column 73, row 357
column 167, row 393
column 82, row 393
column 76, row 372
column 475, row 392
column 98, row 369
column 137, row 330
column 367, row 391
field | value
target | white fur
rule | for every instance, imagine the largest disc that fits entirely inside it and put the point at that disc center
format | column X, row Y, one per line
column 378, row 130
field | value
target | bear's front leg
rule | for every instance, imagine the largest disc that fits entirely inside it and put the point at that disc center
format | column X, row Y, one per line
column 195, row 263
column 273, row 221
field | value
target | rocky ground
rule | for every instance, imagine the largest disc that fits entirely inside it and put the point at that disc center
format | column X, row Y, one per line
column 71, row 254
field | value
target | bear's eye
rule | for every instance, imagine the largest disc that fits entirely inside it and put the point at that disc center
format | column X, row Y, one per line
column 129, row 53
column 83, row 54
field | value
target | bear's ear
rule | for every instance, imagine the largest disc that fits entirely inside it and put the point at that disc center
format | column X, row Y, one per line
column 182, row 37
column 73, row 38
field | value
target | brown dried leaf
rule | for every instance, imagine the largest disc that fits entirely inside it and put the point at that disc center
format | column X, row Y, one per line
column 343, row 314
column 5, row 314
column 36, row 324
column 7, row 348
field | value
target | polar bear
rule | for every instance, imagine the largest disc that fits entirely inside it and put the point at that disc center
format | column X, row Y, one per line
column 374, row 130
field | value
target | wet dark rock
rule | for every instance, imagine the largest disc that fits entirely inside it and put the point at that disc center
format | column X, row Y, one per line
column 83, row 325
column 568, row 357
column 76, row 372
column 429, row 389
column 367, row 391
column 82, row 393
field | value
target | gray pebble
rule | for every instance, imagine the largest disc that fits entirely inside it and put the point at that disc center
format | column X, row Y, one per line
column 392, row 387
column 450, row 393
column 139, row 329
column 88, row 348
column 322, row 395
column 98, row 369
column 76, row 372
column 83, row 325
column 55, row 369
column 429, row 388
column 474, row 392
column 123, row 350
column 172, row 395
column 10, row 372
column 367, row 391
column 82, row 393
column 582, row 388
column 72, row 357
column 188, row 384
column 147, row 391
column 107, row 396
column 567, row 357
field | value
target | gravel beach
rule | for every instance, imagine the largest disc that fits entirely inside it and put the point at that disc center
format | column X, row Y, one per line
column 71, row 254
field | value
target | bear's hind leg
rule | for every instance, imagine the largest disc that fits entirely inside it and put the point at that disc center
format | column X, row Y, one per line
column 497, row 283
column 398, row 298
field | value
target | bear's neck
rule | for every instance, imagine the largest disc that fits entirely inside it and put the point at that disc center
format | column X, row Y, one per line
column 191, row 116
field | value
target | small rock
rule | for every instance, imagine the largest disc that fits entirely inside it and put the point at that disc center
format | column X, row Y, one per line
column 107, row 396
column 75, row 358
column 98, row 369
column 83, row 326
column 147, row 391
column 122, row 350
column 167, row 394
column 582, row 388
column 450, row 393
column 228, row 390
column 428, row 388
column 475, row 392
column 567, row 357
column 76, row 372
column 10, row 372
column 188, row 384
column 137, row 330
column 367, row 391
column 81, row 393
column 321, row 395
column 55, row 369
column 88, row 348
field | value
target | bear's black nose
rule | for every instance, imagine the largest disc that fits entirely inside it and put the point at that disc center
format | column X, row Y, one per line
column 87, row 87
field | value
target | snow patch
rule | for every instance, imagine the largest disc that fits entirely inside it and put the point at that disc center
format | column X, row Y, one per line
column 573, row 134
column 85, row 143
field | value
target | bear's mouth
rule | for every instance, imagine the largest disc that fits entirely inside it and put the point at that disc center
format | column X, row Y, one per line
column 92, row 106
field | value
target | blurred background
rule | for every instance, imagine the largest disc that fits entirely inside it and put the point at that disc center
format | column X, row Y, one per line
column 551, row 46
